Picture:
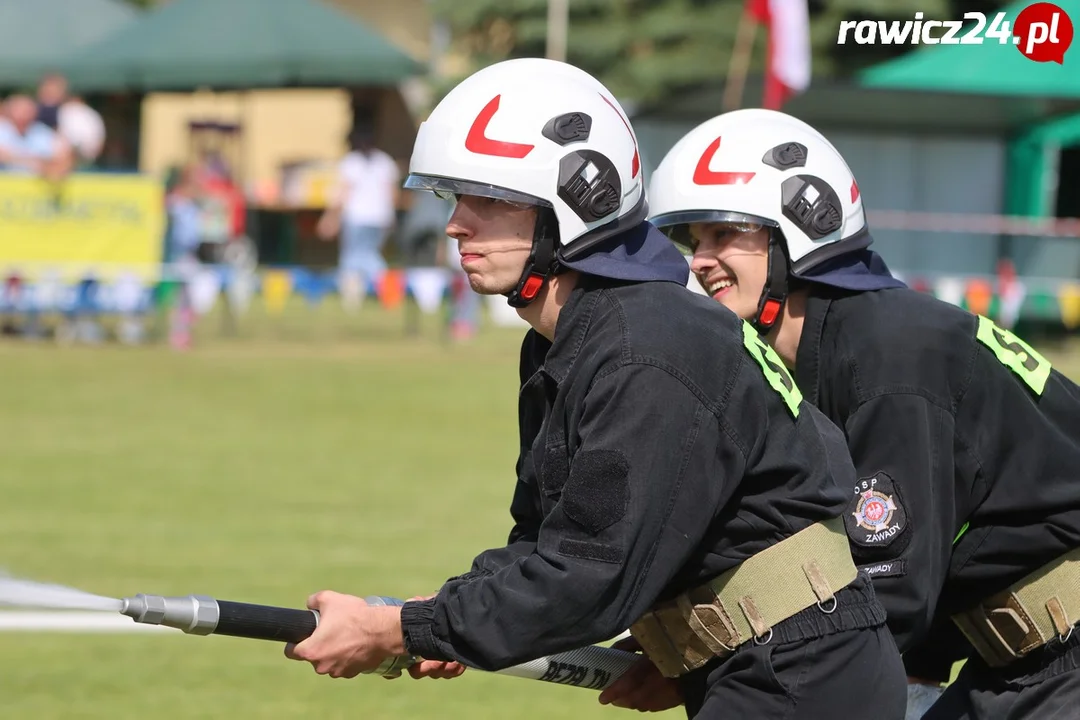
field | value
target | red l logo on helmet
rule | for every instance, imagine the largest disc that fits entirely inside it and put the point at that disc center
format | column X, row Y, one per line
column 704, row 176
column 478, row 142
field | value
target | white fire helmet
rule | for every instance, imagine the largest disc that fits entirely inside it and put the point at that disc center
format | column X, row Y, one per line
column 543, row 133
column 762, row 167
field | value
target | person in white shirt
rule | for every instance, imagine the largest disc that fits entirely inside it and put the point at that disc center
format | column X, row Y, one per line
column 363, row 211
column 83, row 128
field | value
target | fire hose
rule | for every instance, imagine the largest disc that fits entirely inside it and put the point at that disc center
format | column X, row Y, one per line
column 593, row 666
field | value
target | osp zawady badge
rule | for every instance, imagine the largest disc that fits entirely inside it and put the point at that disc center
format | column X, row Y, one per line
column 875, row 517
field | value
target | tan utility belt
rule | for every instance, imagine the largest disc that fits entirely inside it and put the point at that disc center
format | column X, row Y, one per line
column 1042, row 606
column 745, row 603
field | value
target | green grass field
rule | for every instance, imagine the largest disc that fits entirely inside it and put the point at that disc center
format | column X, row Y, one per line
column 311, row 452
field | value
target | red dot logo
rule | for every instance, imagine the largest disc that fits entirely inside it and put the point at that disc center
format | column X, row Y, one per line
column 1043, row 32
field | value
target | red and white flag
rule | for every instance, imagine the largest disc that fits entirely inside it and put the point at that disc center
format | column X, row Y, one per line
column 787, row 70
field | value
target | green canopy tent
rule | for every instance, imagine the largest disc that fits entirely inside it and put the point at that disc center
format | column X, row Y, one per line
column 36, row 37
column 988, row 68
column 187, row 44
column 999, row 70
column 995, row 69
column 240, row 45
column 1033, row 188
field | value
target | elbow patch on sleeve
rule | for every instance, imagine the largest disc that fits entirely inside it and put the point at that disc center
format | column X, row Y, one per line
column 597, row 492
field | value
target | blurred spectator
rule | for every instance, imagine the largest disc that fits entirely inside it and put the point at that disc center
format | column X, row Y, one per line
column 222, row 196
column 182, row 241
column 29, row 146
column 185, row 218
column 51, row 94
column 363, row 210
column 83, row 129
column 78, row 124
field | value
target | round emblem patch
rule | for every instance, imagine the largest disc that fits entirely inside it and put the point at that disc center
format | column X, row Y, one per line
column 875, row 516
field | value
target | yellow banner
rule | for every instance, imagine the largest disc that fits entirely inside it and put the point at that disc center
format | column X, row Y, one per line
column 104, row 224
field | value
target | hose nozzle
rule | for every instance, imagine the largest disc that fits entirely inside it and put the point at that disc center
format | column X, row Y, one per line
column 193, row 614
column 202, row 615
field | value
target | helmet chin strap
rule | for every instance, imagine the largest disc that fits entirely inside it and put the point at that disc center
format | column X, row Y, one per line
column 542, row 262
column 775, row 291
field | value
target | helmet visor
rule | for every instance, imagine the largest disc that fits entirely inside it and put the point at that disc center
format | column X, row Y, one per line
column 676, row 225
column 452, row 188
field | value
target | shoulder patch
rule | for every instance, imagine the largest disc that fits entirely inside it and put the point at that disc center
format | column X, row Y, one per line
column 1015, row 354
column 778, row 376
column 875, row 517
column 597, row 492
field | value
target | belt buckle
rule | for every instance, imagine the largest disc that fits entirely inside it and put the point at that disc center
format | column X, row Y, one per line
column 1010, row 619
column 658, row 645
column 680, row 636
column 1006, row 627
column 719, row 635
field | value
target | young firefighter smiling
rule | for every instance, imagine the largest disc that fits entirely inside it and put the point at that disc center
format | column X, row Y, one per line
column 670, row 477
column 966, row 511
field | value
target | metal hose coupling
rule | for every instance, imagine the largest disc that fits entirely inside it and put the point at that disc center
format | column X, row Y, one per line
column 392, row 666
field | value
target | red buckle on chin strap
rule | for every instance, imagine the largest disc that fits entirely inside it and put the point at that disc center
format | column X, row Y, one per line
column 769, row 312
column 532, row 286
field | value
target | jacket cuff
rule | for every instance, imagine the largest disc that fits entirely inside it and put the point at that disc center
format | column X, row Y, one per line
column 418, row 630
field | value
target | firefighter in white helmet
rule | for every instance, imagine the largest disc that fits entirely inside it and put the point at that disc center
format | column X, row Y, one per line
column 966, row 509
column 670, row 477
